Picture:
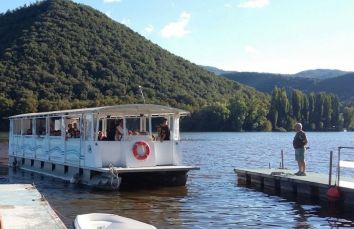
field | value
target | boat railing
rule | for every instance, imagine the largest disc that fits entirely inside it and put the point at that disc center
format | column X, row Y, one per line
column 342, row 163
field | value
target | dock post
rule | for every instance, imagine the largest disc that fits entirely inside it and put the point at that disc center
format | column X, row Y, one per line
column 282, row 159
column 330, row 168
column 338, row 165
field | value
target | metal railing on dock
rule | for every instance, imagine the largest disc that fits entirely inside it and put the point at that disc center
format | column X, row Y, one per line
column 340, row 165
column 316, row 186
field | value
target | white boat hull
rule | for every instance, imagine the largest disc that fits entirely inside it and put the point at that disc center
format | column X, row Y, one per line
column 108, row 221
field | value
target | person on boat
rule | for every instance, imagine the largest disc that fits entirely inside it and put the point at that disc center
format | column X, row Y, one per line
column 70, row 133
column 119, row 131
column 101, row 136
column 76, row 131
column 165, row 131
column 299, row 142
column 158, row 134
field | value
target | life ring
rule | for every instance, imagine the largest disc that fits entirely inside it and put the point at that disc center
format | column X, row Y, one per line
column 141, row 150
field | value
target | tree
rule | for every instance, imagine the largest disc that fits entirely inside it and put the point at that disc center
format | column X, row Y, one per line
column 238, row 112
column 27, row 103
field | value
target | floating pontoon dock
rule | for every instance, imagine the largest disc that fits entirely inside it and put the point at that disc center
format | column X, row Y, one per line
column 22, row 206
column 283, row 182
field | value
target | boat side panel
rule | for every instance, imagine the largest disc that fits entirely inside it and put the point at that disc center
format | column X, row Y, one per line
column 56, row 150
column 111, row 152
column 164, row 152
column 93, row 154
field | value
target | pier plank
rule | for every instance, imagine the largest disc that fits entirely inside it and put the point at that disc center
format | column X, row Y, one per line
column 22, row 206
column 284, row 181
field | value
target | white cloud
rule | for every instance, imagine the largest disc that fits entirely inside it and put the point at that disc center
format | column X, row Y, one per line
column 177, row 28
column 254, row 4
column 108, row 14
column 250, row 50
column 125, row 21
column 111, row 1
column 149, row 28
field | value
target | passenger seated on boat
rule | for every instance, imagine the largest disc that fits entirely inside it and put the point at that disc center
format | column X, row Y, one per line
column 76, row 131
column 55, row 133
column 119, row 131
column 101, row 136
column 165, row 131
column 158, row 135
column 29, row 132
column 41, row 131
column 70, row 133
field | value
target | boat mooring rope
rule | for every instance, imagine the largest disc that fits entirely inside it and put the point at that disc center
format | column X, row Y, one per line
column 114, row 175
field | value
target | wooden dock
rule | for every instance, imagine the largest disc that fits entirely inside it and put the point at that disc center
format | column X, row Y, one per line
column 283, row 182
column 22, row 206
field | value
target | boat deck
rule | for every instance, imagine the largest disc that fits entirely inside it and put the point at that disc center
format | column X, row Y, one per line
column 167, row 168
column 22, row 206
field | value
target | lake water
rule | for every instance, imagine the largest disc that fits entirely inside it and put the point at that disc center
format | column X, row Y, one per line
column 211, row 198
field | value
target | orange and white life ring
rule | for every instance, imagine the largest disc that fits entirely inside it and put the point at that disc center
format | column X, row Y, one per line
column 141, row 150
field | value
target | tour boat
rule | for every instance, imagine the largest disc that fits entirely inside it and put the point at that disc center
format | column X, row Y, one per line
column 90, row 146
column 108, row 221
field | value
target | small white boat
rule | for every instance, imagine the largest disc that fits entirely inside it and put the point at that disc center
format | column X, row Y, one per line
column 108, row 221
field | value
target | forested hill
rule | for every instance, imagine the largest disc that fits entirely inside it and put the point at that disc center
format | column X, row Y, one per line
column 57, row 54
column 265, row 82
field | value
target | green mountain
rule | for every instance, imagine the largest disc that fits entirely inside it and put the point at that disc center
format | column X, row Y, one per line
column 57, row 54
column 216, row 71
column 267, row 81
column 340, row 85
column 320, row 73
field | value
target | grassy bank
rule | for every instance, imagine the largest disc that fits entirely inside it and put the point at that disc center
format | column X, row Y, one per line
column 4, row 136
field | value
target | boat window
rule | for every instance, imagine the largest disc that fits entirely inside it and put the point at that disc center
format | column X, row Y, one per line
column 133, row 126
column 17, row 126
column 72, row 127
column 27, row 127
column 55, row 126
column 156, row 123
column 41, row 126
column 111, row 125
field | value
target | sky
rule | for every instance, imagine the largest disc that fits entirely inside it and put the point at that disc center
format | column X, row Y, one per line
column 277, row 36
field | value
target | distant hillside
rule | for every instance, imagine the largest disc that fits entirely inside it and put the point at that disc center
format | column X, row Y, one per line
column 215, row 70
column 341, row 86
column 57, row 54
column 265, row 82
column 320, row 73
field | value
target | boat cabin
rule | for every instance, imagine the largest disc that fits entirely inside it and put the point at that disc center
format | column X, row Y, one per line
column 128, row 136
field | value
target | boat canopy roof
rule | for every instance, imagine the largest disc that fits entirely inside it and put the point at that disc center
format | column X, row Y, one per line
column 122, row 110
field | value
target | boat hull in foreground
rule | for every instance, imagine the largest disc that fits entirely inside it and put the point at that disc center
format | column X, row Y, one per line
column 108, row 221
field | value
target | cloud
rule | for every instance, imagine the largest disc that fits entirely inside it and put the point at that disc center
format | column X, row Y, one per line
column 149, row 28
column 111, row 1
column 177, row 28
column 254, row 4
column 108, row 14
column 250, row 50
column 125, row 21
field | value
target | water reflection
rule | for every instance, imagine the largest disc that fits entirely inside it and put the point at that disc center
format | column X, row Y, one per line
column 155, row 206
column 212, row 198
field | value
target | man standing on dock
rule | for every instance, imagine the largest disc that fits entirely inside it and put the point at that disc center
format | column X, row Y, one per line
column 299, row 142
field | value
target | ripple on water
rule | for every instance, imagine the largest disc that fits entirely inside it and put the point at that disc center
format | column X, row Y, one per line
column 211, row 198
